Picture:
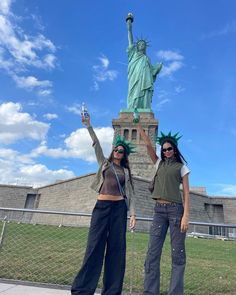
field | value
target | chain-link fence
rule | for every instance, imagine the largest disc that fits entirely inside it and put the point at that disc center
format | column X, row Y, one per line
column 53, row 253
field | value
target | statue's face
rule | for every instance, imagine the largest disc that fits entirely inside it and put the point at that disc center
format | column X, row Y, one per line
column 141, row 46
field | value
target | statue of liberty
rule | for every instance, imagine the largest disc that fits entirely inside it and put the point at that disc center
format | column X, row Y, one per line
column 141, row 73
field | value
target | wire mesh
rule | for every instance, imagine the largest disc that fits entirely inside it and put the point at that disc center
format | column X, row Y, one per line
column 50, row 253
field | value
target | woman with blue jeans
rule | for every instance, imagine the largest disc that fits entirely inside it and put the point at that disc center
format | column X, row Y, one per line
column 171, row 211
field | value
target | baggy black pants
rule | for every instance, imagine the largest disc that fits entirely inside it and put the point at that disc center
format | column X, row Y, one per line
column 107, row 230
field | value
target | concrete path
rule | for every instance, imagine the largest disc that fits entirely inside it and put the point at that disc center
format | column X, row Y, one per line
column 14, row 289
column 18, row 289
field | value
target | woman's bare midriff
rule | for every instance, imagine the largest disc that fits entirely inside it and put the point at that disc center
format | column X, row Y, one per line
column 109, row 198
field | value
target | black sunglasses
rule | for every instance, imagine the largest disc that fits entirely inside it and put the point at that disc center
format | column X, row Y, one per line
column 168, row 149
column 119, row 151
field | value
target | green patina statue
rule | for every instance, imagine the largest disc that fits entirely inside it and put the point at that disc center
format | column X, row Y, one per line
column 141, row 73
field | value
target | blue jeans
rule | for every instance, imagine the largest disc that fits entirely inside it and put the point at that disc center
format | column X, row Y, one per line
column 165, row 215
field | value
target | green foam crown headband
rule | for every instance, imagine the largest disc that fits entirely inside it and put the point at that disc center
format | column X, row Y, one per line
column 164, row 137
column 129, row 148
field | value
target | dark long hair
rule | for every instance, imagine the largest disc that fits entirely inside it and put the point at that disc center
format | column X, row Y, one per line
column 124, row 161
column 179, row 157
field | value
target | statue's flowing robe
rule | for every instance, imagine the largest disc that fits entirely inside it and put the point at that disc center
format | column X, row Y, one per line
column 141, row 77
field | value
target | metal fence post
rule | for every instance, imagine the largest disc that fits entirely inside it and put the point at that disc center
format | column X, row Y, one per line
column 132, row 262
column 3, row 231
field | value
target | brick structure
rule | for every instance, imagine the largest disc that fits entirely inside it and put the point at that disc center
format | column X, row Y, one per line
column 140, row 162
column 16, row 196
column 73, row 195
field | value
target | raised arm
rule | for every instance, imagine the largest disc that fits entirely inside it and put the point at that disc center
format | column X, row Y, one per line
column 129, row 20
column 96, row 144
column 148, row 144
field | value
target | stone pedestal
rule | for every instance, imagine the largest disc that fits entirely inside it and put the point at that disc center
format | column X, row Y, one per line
column 140, row 162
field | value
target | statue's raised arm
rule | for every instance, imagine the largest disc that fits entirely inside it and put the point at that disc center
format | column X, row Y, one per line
column 129, row 20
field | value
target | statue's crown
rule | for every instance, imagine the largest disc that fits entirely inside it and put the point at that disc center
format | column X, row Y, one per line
column 138, row 40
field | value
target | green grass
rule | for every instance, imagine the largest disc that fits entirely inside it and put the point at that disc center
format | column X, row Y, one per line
column 50, row 254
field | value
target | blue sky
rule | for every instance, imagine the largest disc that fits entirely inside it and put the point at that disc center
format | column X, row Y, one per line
column 56, row 54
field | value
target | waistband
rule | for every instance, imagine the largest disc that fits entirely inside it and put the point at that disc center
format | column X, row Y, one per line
column 110, row 201
column 171, row 204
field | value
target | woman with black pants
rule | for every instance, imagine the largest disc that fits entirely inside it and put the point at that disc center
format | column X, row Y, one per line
column 113, row 184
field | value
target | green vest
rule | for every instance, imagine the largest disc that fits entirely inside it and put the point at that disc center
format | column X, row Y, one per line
column 167, row 181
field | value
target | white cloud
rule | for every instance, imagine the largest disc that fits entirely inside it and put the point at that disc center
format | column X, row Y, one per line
column 17, row 168
column 161, row 103
column 37, row 22
column 50, row 116
column 171, row 68
column 179, row 89
column 7, row 153
column 19, row 52
column 226, row 189
column 95, row 86
column 14, row 156
column 105, row 61
column 4, row 63
column 16, row 125
column 44, row 92
column 40, row 175
column 75, row 109
column 78, row 145
column 169, row 55
column 5, row 6
column 164, row 101
column 49, row 60
column 79, row 142
column 164, row 97
column 227, row 29
column 101, row 73
column 31, row 82
column 174, row 62
column 20, row 173
column 42, row 149
column 24, row 50
column 162, row 93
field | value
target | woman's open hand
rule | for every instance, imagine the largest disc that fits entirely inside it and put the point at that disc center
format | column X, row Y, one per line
column 132, row 222
column 184, row 224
